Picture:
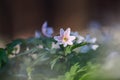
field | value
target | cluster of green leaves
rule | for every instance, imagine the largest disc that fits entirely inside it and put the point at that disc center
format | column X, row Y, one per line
column 43, row 54
column 88, row 72
column 63, row 59
column 10, row 46
column 68, row 56
column 82, row 73
column 5, row 52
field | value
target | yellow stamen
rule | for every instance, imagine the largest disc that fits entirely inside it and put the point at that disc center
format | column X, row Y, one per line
column 65, row 39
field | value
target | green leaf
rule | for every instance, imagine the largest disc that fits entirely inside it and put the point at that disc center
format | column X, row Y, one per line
column 54, row 62
column 73, row 72
column 15, row 42
column 68, row 50
column 78, row 45
column 10, row 46
column 29, row 71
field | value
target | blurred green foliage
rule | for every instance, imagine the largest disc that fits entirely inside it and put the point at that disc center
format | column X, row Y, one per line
column 3, row 57
column 43, row 55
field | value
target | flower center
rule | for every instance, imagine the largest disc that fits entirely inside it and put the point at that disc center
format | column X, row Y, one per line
column 65, row 39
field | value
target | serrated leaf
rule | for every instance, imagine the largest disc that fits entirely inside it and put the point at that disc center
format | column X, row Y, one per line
column 67, row 50
column 73, row 72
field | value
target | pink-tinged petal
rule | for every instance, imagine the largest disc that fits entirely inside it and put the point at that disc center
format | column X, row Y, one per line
column 61, row 32
column 57, row 38
column 65, row 44
column 70, row 43
column 72, row 38
column 65, row 37
column 59, row 42
column 67, row 32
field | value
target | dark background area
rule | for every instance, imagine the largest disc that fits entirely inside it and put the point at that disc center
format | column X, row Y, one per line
column 20, row 18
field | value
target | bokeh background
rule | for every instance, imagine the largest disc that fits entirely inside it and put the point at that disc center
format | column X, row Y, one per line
column 20, row 18
column 100, row 18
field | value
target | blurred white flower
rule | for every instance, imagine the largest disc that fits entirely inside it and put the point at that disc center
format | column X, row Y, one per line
column 16, row 49
column 27, row 49
column 89, row 39
column 65, row 37
column 37, row 34
column 74, row 34
column 34, row 56
column 94, row 47
column 80, row 38
column 47, row 31
column 40, row 46
column 55, row 46
column 12, row 56
column 91, row 42
column 84, row 49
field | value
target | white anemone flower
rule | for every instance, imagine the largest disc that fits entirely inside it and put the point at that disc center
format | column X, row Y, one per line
column 47, row 31
column 65, row 37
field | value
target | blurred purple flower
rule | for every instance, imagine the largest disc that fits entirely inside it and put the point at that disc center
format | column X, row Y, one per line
column 46, row 30
column 37, row 34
